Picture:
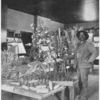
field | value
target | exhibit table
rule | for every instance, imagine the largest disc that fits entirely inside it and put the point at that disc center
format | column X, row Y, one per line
column 32, row 94
column 40, row 96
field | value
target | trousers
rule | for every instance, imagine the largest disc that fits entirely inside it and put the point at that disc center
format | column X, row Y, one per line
column 83, row 82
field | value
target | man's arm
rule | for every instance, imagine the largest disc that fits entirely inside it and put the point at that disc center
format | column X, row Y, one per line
column 93, row 52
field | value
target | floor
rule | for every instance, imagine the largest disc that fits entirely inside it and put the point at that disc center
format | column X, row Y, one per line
column 93, row 90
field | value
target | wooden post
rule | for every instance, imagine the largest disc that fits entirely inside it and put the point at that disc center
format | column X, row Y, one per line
column 34, row 31
column 63, row 94
column 35, row 23
column 72, row 93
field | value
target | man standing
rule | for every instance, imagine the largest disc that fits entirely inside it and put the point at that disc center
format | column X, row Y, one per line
column 85, row 54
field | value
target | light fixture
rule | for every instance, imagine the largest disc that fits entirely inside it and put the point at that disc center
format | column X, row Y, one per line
column 89, row 10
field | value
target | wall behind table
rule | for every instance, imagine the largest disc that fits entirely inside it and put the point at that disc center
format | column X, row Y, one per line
column 52, row 25
column 20, row 21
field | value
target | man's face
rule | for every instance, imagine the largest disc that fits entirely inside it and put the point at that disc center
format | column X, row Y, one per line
column 91, row 31
column 82, row 37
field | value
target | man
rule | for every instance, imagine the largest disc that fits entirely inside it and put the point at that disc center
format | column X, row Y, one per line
column 85, row 55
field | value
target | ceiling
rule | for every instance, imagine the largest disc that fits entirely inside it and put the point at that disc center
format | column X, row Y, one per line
column 65, row 11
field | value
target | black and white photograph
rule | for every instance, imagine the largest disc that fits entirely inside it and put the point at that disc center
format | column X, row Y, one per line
column 49, row 50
